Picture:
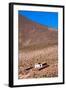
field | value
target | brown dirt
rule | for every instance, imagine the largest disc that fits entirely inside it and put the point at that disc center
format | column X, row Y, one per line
column 28, row 59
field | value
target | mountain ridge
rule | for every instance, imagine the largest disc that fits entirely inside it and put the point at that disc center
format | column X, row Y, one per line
column 32, row 34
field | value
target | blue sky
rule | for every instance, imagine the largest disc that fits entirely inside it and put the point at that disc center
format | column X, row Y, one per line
column 49, row 19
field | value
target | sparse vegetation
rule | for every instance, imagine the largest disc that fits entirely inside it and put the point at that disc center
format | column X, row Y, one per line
column 48, row 55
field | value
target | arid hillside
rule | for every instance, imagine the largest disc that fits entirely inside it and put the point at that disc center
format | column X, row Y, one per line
column 37, row 44
column 31, row 34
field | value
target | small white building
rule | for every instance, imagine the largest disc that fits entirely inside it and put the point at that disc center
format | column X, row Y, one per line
column 38, row 65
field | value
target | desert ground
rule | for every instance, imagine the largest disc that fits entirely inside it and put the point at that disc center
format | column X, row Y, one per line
column 46, row 55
